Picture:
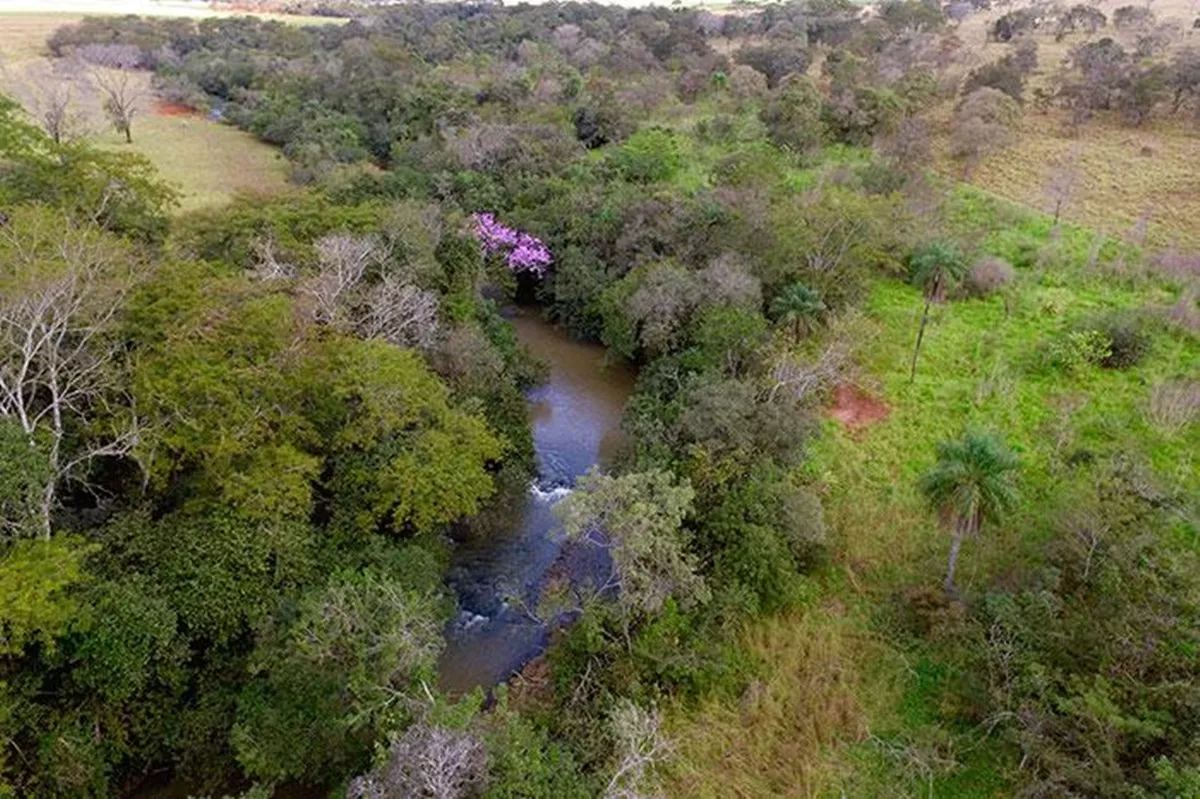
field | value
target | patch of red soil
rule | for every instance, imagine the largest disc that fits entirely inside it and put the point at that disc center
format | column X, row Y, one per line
column 165, row 109
column 856, row 409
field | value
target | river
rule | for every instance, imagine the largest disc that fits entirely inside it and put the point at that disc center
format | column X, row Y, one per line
column 499, row 572
column 576, row 415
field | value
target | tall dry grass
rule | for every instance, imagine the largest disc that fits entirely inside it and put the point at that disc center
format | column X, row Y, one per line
column 783, row 737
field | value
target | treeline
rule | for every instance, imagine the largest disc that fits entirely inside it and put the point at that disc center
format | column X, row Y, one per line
column 287, row 403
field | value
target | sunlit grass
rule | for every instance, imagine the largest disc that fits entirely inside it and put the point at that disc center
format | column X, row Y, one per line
column 206, row 161
column 852, row 704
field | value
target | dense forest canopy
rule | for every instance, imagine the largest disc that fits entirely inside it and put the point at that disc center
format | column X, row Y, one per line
column 235, row 443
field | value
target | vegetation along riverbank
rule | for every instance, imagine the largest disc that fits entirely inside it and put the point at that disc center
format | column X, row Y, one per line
column 905, row 496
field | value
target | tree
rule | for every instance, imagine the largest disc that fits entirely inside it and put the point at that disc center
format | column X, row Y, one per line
column 1061, row 185
column 642, row 746
column 61, row 288
column 936, row 269
column 1183, row 78
column 54, row 95
column 776, row 60
column 124, row 90
column 972, row 481
column 336, row 676
column 427, row 761
column 982, row 125
column 793, row 115
column 638, row 519
column 799, row 307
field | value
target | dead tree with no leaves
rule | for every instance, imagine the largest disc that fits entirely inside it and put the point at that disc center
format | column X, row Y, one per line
column 430, row 761
column 400, row 313
column 113, row 70
column 55, row 96
column 59, row 296
column 343, row 263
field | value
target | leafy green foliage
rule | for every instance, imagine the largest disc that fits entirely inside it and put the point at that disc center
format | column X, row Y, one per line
column 24, row 472
column 335, row 675
column 793, row 116
column 37, row 599
column 800, row 308
column 637, row 518
column 649, row 156
column 972, row 481
column 120, row 191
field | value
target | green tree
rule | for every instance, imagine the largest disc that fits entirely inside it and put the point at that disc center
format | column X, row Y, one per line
column 330, row 683
column 972, row 481
column 799, row 307
column 36, row 599
column 936, row 269
column 793, row 115
column 638, row 518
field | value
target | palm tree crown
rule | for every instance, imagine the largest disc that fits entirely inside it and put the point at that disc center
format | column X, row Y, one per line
column 800, row 307
column 936, row 268
column 973, row 479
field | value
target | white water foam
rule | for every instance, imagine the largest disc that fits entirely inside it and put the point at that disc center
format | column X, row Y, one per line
column 549, row 495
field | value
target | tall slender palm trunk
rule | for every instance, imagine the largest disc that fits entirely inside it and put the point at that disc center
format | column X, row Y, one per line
column 955, row 548
column 920, row 336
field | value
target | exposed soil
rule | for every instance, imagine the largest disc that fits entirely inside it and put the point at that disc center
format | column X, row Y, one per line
column 164, row 109
column 856, row 409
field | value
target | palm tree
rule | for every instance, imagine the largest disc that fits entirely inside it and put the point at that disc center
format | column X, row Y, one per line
column 936, row 268
column 800, row 307
column 972, row 479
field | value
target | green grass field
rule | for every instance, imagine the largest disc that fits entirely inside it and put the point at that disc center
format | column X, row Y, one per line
column 843, row 707
column 206, row 161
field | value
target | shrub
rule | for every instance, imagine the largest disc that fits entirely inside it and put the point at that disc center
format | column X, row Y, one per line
column 987, row 276
column 649, row 156
column 1126, row 339
column 1078, row 349
column 1175, row 404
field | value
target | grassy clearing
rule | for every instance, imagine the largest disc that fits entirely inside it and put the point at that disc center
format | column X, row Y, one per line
column 1127, row 173
column 207, row 161
column 848, row 704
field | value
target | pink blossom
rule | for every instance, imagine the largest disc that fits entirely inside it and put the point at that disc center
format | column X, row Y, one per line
column 522, row 252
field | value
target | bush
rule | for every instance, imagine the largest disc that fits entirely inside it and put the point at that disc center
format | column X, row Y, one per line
column 793, row 116
column 987, row 276
column 1126, row 338
column 649, row 156
column 1078, row 349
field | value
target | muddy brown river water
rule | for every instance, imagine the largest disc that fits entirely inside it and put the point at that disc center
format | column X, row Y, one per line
column 499, row 574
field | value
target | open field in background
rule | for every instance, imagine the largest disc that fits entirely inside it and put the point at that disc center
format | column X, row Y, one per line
column 155, row 8
column 207, row 161
column 1127, row 173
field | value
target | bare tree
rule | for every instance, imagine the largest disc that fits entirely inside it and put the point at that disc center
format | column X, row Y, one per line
column 267, row 265
column 427, row 761
column 400, row 313
column 641, row 748
column 1063, row 182
column 113, row 70
column 55, row 96
column 801, row 380
column 59, row 296
column 344, row 260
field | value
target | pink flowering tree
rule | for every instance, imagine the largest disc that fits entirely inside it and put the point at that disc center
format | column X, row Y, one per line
column 521, row 251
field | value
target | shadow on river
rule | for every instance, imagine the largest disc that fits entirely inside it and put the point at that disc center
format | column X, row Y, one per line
column 576, row 416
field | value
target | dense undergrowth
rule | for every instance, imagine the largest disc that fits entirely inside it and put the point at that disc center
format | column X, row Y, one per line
column 283, row 406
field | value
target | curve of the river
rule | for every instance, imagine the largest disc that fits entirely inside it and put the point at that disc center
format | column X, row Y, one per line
column 499, row 573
